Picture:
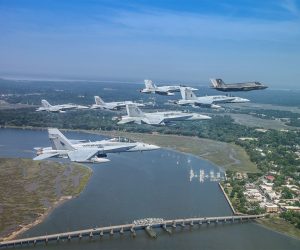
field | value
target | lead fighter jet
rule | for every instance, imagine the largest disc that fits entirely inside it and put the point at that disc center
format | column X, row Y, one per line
column 135, row 115
column 151, row 88
column 82, row 151
column 218, row 84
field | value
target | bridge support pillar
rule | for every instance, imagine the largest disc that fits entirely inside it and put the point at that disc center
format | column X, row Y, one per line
column 122, row 230
column 164, row 226
column 91, row 235
column 101, row 233
column 150, row 232
column 174, row 224
column 133, row 231
column 111, row 232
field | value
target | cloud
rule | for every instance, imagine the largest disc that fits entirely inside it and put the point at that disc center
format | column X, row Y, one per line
column 172, row 25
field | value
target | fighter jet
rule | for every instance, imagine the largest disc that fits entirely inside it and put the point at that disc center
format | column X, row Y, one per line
column 218, row 84
column 135, row 115
column 100, row 104
column 46, row 106
column 151, row 88
column 189, row 98
column 82, row 151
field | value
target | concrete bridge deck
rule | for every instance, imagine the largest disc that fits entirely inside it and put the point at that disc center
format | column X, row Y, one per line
column 100, row 231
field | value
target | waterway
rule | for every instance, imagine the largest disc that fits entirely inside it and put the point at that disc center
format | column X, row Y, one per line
column 138, row 185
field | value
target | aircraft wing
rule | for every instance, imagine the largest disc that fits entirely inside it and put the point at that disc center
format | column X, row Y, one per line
column 154, row 120
column 45, row 156
column 117, row 148
column 83, row 154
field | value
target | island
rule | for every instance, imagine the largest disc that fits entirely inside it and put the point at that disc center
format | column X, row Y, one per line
column 30, row 190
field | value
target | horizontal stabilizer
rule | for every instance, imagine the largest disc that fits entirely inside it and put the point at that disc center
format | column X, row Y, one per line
column 45, row 156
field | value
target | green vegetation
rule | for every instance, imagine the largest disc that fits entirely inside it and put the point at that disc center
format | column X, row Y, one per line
column 29, row 189
column 292, row 217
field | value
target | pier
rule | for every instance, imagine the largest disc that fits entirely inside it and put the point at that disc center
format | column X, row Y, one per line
column 145, row 224
column 228, row 200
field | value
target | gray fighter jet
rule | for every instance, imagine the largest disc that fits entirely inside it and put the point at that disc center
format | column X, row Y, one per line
column 46, row 106
column 218, row 84
column 135, row 115
column 151, row 88
column 189, row 98
column 82, row 151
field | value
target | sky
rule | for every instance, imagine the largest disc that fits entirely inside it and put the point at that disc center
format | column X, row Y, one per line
column 186, row 41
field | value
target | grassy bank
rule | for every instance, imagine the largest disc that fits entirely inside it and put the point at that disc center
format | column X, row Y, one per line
column 226, row 155
column 280, row 225
column 30, row 189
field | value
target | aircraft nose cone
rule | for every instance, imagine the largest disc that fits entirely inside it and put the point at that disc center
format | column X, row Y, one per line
column 206, row 117
column 151, row 147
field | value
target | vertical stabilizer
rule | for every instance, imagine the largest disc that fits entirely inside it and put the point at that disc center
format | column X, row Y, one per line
column 46, row 104
column 187, row 94
column 133, row 111
column 98, row 100
column 149, row 84
column 216, row 83
column 58, row 140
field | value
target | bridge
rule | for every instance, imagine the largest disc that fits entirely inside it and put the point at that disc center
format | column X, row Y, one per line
column 145, row 224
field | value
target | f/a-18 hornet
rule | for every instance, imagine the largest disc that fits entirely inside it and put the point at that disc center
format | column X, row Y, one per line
column 46, row 106
column 218, row 84
column 189, row 98
column 151, row 88
column 100, row 104
column 83, row 151
column 135, row 115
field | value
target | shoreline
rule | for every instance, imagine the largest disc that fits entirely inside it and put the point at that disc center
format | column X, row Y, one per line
column 261, row 223
column 38, row 220
column 228, row 200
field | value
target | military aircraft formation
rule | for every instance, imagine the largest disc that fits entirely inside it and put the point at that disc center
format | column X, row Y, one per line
column 96, row 152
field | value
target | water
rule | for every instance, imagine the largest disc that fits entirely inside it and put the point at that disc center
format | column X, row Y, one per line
column 139, row 185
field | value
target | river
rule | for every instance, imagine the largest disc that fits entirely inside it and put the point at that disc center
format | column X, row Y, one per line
column 138, row 185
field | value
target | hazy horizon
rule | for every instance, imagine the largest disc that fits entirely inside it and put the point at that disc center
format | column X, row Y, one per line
column 166, row 41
